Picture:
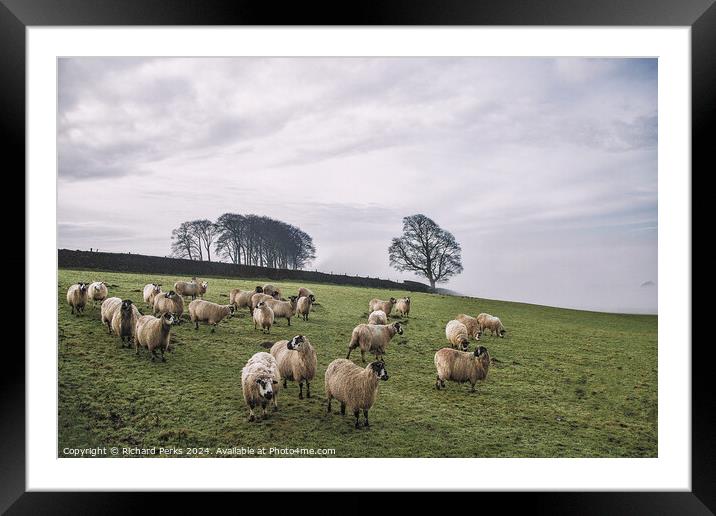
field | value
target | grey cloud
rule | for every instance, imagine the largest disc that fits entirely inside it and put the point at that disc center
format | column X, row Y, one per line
column 545, row 170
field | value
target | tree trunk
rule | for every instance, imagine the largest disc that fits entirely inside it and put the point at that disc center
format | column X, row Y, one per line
column 432, row 282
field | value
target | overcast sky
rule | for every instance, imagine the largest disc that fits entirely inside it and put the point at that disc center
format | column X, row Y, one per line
column 545, row 170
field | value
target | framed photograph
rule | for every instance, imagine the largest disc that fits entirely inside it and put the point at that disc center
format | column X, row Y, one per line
column 436, row 242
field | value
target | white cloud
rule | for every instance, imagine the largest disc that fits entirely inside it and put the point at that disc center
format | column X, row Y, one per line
column 544, row 169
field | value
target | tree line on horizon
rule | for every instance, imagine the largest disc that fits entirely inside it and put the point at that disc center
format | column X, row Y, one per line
column 424, row 248
column 244, row 240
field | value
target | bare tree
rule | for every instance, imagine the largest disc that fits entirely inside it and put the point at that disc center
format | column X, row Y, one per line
column 185, row 243
column 426, row 249
column 205, row 232
column 258, row 240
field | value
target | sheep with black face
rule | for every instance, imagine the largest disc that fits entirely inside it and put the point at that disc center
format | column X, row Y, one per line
column 373, row 338
column 461, row 366
column 296, row 361
column 457, row 335
column 353, row 386
column 77, row 297
column 124, row 321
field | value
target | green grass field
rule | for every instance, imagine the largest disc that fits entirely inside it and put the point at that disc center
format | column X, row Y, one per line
column 564, row 383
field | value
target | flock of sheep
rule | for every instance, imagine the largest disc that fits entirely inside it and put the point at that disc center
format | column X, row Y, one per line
column 353, row 386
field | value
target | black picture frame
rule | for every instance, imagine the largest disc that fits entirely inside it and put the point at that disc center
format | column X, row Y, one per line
column 700, row 15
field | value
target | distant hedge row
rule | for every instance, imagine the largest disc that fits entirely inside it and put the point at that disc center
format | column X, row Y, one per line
column 141, row 264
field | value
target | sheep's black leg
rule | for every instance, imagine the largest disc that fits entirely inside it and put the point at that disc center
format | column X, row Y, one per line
column 300, row 390
column 196, row 325
column 348, row 356
column 356, row 414
column 343, row 409
column 213, row 328
column 362, row 355
column 329, row 404
column 365, row 416
column 308, row 389
column 437, row 383
column 284, row 383
column 289, row 321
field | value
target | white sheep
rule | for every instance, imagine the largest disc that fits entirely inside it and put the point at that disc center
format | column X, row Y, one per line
column 186, row 288
column 296, row 361
column 208, row 312
column 457, row 335
column 242, row 298
column 260, row 379
column 153, row 333
column 107, row 310
column 283, row 309
column 403, row 306
column 263, row 316
column 353, row 386
column 203, row 287
column 124, row 321
column 461, row 366
column 303, row 306
column 150, row 291
column 304, row 292
column 386, row 306
column 373, row 338
column 272, row 291
column 77, row 297
column 472, row 325
column 257, row 297
column 169, row 302
column 97, row 291
column 492, row 323
column 377, row 317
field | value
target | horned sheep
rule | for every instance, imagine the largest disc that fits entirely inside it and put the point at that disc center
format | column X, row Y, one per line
column 373, row 338
column 211, row 313
column 353, row 386
column 260, row 379
column 153, row 333
column 77, row 297
column 124, row 321
column 386, row 306
column 377, row 317
column 296, row 361
column 457, row 335
column 263, row 316
column 461, row 366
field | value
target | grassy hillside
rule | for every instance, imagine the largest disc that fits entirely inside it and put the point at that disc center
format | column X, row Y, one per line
column 564, row 383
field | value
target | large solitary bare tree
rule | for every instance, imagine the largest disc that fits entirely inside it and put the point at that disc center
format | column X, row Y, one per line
column 426, row 249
